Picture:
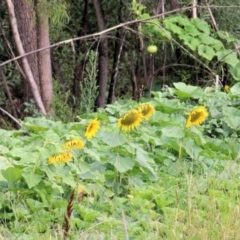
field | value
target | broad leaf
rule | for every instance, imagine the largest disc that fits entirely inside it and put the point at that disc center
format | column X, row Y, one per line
column 233, row 122
column 3, row 149
column 12, row 174
column 192, row 149
column 235, row 71
column 201, row 25
column 235, row 89
column 191, row 42
column 186, row 91
column 112, row 139
column 122, row 164
column 192, row 30
column 206, row 52
column 143, row 160
column 229, row 57
column 31, row 179
column 173, row 131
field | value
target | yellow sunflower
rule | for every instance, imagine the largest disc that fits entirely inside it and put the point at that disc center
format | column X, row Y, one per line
column 60, row 158
column 196, row 116
column 226, row 87
column 92, row 128
column 73, row 144
column 147, row 110
column 130, row 120
column 80, row 192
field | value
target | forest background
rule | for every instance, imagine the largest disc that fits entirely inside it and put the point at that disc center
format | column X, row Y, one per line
column 110, row 64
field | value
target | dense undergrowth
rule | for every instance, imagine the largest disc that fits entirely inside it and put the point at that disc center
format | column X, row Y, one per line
column 160, row 180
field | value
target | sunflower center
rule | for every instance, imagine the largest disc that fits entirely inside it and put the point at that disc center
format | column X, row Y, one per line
column 91, row 127
column 146, row 110
column 130, row 119
column 195, row 116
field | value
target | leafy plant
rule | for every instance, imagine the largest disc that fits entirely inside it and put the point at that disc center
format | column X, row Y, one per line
column 88, row 87
column 154, row 173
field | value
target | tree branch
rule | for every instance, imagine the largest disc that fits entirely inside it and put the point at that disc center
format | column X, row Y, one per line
column 94, row 35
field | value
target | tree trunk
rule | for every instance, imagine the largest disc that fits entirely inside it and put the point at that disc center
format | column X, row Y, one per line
column 79, row 68
column 120, row 35
column 24, row 12
column 175, row 4
column 16, row 28
column 103, row 56
column 44, row 57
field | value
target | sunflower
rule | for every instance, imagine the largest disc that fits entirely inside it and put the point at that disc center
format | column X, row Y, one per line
column 147, row 110
column 92, row 128
column 80, row 192
column 60, row 158
column 73, row 144
column 130, row 120
column 196, row 116
column 226, row 87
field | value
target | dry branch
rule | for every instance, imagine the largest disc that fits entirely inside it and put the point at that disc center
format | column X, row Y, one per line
column 90, row 36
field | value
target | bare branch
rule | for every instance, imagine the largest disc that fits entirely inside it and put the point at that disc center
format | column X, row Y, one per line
column 90, row 36
column 13, row 118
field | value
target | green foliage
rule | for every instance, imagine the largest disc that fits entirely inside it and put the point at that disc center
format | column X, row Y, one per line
column 157, row 173
column 196, row 36
column 62, row 109
column 30, row 109
column 88, row 87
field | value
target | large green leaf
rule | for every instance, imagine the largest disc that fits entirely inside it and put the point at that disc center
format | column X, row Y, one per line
column 235, row 71
column 232, row 112
column 3, row 149
column 169, row 106
column 32, row 179
column 173, row 131
column 229, row 57
column 206, row 52
column 92, row 153
column 192, row 149
column 35, row 205
column 226, row 36
column 12, row 174
column 233, row 122
column 184, row 91
column 192, row 30
column 201, row 25
column 206, row 39
column 191, row 42
column 112, row 139
column 143, row 160
column 235, row 89
column 122, row 164
column 24, row 154
column 174, row 28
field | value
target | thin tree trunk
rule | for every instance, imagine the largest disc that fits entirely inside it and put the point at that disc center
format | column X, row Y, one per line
column 44, row 57
column 175, row 4
column 116, row 60
column 194, row 9
column 79, row 68
column 120, row 35
column 103, row 56
column 21, row 51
